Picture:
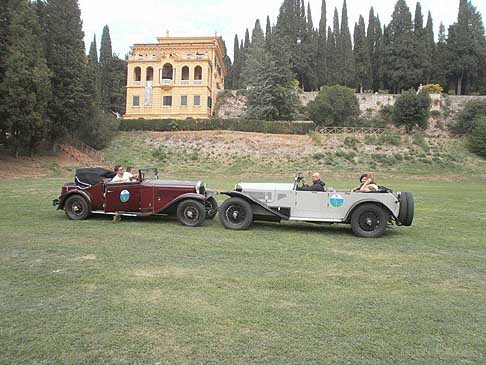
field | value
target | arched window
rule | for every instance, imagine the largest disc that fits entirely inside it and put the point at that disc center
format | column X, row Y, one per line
column 167, row 72
column 150, row 74
column 138, row 74
column 185, row 73
column 198, row 73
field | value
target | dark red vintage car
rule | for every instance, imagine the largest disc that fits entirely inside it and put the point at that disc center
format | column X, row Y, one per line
column 93, row 193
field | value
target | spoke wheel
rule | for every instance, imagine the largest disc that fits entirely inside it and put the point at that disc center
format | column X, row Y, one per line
column 191, row 213
column 76, row 208
column 236, row 214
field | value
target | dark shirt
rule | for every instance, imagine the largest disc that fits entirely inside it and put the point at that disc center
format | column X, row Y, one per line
column 317, row 186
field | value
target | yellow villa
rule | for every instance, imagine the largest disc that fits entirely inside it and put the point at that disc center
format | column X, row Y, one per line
column 176, row 78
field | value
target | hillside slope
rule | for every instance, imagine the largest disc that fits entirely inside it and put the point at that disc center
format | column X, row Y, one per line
column 237, row 153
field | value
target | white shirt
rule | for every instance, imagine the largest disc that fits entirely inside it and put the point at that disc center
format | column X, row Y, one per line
column 127, row 177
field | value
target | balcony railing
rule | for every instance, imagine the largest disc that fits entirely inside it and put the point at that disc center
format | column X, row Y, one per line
column 198, row 82
column 167, row 81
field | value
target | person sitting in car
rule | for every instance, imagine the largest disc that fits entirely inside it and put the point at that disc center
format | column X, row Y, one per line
column 362, row 181
column 132, row 173
column 121, row 176
column 370, row 184
column 317, row 184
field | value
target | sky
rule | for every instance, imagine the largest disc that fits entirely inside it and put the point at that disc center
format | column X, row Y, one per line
column 141, row 21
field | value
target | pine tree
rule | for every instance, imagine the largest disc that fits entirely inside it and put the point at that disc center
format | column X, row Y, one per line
column 321, row 46
column 347, row 57
column 66, row 58
column 26, row 80
column 466, row 48
column 106, row 66
column 362, row 57
column 402, row 66
column 271, row 95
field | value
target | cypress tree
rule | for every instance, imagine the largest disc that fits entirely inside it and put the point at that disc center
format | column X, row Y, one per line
column 430, row 46
column 235, row 76
column 362, row 57
column 331, row 58
column 257, row 36
column 336, row 58
column 118, row 85
column 4, row 32
column 348, row 75
column 94, row 72
column 66, row 58
column 268, row 29
column 106, row 65
column 440, row 59
column 321, row 46
column 466, row 48
column 420, row 41
column 227, row 65
column 247, row 39
column 374, row 35
column 26, row 80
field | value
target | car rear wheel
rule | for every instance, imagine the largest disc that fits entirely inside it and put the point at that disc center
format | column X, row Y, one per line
column 211, row 208
column 369, row 221
column 76, row 208
column 236, row 214
column 407, row 209
column 191, row 213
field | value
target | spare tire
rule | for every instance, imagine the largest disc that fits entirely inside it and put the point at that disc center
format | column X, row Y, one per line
column 407, row 209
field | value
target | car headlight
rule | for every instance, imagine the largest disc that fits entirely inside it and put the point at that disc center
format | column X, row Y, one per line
column 238, row 188
column 201, row 188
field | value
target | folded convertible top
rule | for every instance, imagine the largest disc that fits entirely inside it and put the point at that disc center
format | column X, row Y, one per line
column 88, row 177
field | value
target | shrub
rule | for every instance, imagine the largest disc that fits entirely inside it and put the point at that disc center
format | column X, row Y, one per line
column 351, row 142
column 472, row 111
column 412, row 110
column 433, row 88
column 477, row 138
column 436, row 114
column 390, row 139
column 99, row 129
column 335, row 106
column 167, row 125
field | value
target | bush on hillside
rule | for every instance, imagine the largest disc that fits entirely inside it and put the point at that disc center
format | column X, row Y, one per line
column 412, row 110
column 477, row 138
column 433, row 88
column 466, row 119
column 335, row 106
column 99, row 129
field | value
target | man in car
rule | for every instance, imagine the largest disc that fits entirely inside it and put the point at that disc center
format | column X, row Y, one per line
column 317, row 184
column 121, row 175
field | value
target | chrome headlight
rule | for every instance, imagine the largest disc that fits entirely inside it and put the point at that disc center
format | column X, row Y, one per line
column 238, row 188
column 201, row 188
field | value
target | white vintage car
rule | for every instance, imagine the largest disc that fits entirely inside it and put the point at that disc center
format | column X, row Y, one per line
column 368, row 213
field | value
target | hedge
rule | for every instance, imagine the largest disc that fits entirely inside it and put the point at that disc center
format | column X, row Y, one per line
column 166, row 125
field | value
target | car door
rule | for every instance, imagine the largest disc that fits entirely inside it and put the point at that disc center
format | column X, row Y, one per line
column 124, row 197
column 309, row 204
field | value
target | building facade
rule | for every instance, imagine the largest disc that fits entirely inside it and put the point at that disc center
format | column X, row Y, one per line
column 176, row 78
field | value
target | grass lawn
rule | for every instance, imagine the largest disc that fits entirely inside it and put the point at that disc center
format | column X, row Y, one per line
column 153, row 292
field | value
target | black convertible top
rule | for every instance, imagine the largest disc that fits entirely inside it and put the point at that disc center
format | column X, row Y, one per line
column 88, row 177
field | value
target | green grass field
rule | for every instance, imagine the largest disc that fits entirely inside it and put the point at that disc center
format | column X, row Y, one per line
column 153, row 292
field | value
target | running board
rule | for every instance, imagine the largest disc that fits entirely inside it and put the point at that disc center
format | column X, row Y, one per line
column 127, row 214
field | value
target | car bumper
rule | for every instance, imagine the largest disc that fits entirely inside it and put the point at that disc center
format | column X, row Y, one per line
column 56, row 203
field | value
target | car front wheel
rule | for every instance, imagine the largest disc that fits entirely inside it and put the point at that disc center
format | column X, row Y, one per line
column 236, row 214
column 369, row 221
column 191, row 213
column 76, row 208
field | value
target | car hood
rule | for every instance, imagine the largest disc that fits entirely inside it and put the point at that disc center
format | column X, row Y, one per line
column 265, row 187
column 170, row 183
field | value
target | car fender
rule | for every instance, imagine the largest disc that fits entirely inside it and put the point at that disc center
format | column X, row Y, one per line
column 211, row 193
column 63, row 198
column 251, row 200
column 180, row 198
column 367, row 201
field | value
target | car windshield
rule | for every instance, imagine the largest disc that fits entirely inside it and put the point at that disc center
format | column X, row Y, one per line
column 150, row 173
